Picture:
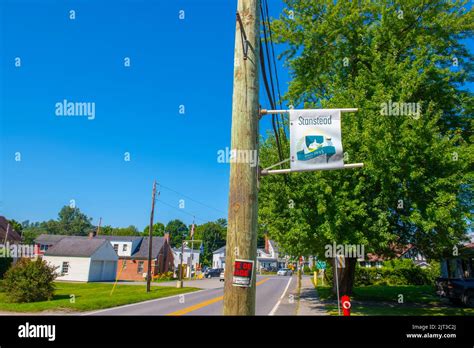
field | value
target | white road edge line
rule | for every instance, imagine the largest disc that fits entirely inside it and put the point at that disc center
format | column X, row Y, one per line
column 281, row 298
column 139, row 303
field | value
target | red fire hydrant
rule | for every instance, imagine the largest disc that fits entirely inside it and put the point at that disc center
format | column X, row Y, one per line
column 346, row 305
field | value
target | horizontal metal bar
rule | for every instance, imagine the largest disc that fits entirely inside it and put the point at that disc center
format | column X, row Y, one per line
column 268, row 112
column 287, row 171
column 277, row 164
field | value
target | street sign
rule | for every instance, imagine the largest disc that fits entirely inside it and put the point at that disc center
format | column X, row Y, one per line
column 243, row 272
column 315, row 139
column 321, row 264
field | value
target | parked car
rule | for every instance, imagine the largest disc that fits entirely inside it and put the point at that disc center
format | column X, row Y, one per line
column 457, row 278
column 213, row 272
column 221, row 276
column 284, row 272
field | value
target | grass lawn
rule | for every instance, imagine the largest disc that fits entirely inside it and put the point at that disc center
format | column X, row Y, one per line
column 383, row 300
column 91, row 296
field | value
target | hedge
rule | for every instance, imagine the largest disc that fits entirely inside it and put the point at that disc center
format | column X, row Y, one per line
column 394, row 272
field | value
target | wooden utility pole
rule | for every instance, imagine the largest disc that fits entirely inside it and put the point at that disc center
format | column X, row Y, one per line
column 150, row 238
column 98, row 227
column 243, row 208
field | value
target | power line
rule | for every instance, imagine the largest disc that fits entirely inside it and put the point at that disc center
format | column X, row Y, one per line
column 191, row 199
column 274, row 66
column 271, row 96
column 180, row 210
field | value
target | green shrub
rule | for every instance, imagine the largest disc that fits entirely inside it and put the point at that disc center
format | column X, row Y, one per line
column 29, row 281
column 5, row 263
column 393, row 272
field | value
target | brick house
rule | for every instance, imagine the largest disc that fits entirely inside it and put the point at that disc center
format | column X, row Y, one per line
column 133, row 261
column 131, row 250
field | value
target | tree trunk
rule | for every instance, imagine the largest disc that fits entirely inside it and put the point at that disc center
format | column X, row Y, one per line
column 345, row 277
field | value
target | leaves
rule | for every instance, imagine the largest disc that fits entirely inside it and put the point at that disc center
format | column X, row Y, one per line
column 416, row 185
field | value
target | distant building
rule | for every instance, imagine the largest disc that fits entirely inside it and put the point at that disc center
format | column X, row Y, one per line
column 268, row 257
column 189, row 256
column 406, row 252
column 132, row 252
column 218, row 258
column 7, row 233
column 82, row 259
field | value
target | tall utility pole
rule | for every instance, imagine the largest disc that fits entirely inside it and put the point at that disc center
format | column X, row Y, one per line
column 98, row 227
column 150, row 238
column 243, row 208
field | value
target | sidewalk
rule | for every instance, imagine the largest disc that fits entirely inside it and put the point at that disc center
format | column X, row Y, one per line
column 309, row 303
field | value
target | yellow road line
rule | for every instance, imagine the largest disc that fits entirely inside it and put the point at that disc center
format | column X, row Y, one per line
column 206, row 303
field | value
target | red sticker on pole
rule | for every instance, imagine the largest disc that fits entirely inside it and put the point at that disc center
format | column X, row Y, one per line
column 243, row 272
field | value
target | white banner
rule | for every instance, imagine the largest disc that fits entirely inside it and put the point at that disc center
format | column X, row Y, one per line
column 315, row 137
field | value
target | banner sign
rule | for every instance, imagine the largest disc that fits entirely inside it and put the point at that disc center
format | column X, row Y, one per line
column 243, row 271
column 320, row 264
column 315, row 137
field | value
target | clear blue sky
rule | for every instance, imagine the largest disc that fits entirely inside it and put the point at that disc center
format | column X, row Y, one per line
column 173, row 62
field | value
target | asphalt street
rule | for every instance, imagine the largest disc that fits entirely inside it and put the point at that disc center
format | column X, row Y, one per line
column 273, row 298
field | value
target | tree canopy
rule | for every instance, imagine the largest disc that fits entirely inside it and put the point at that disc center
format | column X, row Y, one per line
column 416, row 185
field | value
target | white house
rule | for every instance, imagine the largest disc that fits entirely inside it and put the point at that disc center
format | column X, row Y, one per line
column 218, row 258
column 83, row 259
column 189, row 256
column 270, row 257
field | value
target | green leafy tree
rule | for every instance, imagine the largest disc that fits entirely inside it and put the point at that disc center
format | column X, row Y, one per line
column 416, row 185
column 158, row 230
column 213, row 235
column 72, row 221
column 178, row 232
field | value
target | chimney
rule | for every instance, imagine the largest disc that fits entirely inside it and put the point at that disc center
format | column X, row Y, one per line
column 167, row 236
column 267, row 242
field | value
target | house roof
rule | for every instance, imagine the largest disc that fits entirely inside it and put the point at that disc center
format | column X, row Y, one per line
column 120, row 238
column 274, row 245
column 77, row 247
column 220, row 250
column 49, row 239
column 13, row 235
column 142, row 250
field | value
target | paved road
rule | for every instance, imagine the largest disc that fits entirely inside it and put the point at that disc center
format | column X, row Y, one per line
column 272, row 298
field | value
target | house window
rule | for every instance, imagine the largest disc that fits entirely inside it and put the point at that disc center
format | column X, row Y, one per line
column 140, row 267
column 116, row 247
column 65, row 268
column 124, row 247
column 43, row 247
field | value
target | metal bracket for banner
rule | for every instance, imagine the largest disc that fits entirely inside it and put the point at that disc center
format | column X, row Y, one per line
column 269, row 112
column 287, row 171
column 267, row 171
